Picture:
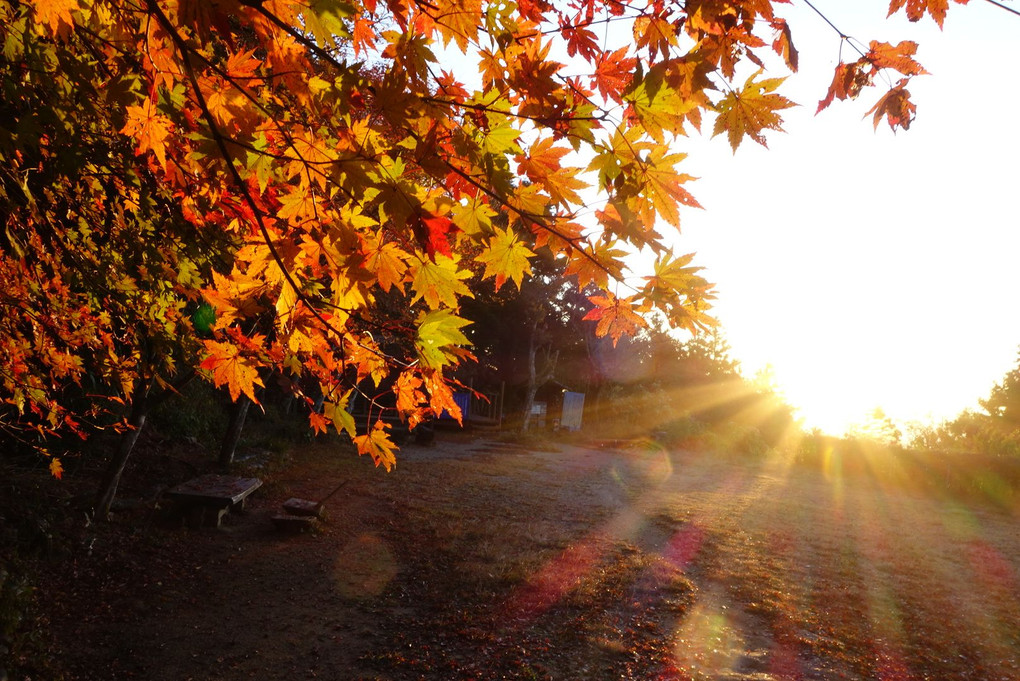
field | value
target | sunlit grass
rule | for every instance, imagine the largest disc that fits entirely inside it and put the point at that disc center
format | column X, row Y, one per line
column 784, row 571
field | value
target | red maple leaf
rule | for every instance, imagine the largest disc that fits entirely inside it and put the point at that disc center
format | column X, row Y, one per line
column 433, row 232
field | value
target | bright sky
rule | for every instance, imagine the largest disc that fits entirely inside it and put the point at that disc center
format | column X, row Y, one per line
column 870, row 269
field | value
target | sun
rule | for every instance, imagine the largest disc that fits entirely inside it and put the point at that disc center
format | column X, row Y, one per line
column 826, row 401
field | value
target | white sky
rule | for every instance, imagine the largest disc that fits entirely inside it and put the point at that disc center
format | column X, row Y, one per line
column 871, row 269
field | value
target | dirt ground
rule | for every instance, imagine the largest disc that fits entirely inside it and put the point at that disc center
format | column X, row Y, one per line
column 476, row 559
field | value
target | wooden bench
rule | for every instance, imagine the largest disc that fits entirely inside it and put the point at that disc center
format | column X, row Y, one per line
column 207, row 498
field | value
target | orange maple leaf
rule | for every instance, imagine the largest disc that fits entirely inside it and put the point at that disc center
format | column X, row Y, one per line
column 458, row 20
column 542, row 166
column 783, row 44
column 242, row 65
column 899, row 57
column 441, row 395
column 56, row 14
column 613, row 73
column 318, row 421
column 616, row 316
column 409, row 394
column 847, row 83
column 377, row 444
column 896, row 107
column 363, row 35
column 387, row 261
column 661, row 185
column 595, row 264
column 230, row 368
column 656, row 33
column 56, row 468
column 916, row 9
column 299, row 205
column 150, row 128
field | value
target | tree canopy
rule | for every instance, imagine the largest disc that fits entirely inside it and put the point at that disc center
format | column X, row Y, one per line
column 306, row 187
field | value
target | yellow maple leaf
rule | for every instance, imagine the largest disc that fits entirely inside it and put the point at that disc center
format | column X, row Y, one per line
column 56, row 468
column 750, row 111
column 458, row 20
column 387, row 261
column 474, row 216
column 661, row 185
column 337, row 412
column 505, row 257
column 377, row 444
column 438, row 281
column 299, row 205
column 440, row 340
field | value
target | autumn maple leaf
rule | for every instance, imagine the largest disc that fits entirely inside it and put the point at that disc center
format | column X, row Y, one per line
column 438, row 281
column 506, row 257
column 409, row 393
column 337, row 412
column 847, row 83
column 440, row 340
column 916, row 9
column 596, row 263
column 899, row 57
column 783, row 44
column 616, row 316
column 662, row 184
column 230, row 368
column 57, row 15
column 386, row 261
column 458, row 20
column 895, row 106
column 542, row 166
column 441, row 395
column 318, row 422
column 150, row 128
column 433, row 232
column 751, row 110
column 613, row 74
column 377, row 444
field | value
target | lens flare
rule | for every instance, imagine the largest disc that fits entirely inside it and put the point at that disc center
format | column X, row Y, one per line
column 364, row 567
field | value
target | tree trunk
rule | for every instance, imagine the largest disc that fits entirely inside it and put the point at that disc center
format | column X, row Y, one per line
column 111, row 479
column 532, row 389
column 238, row 413
column 537, row 378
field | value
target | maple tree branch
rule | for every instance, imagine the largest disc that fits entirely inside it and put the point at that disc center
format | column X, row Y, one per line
column 1005, row 7
column 294, row 33
column 512, row 114
column 843, row 36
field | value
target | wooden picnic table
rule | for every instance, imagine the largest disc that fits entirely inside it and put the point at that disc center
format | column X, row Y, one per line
column 207, row 498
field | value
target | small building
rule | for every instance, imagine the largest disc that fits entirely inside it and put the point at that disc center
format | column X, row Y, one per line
column 557, row 407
